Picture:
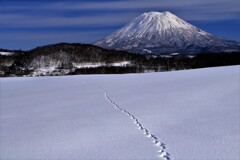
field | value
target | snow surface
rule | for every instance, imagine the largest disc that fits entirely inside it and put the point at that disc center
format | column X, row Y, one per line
column 192, row 114
column 174, row 54
column 87, row 65
column 121, row 64
column 160, row 32
column 55, row 71
column 6, row 53
column 95, row 65
column 147, row 51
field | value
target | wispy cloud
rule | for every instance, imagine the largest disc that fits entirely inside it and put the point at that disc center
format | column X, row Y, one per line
column 50, row 36
column 29, row 40
column 16, row 15
column 27, row 21
column 215, row 9
column 32, row 14
column 136, row 4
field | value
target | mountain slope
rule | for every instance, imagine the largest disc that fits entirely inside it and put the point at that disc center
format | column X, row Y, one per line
column 156, row 32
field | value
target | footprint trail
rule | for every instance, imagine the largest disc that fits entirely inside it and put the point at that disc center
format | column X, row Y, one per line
column 162, row 153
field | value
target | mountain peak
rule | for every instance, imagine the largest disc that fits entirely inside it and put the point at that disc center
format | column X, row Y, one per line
column 155, row 13
column 167, row 12
column 160, row 32
column 160, row 21
column 152, row 13
column 159, row 15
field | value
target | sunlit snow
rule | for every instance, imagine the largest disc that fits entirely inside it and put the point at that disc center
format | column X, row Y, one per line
column 177, row 115
column 6, row 53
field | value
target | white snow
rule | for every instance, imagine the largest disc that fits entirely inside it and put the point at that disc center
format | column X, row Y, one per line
column 88, row 65
column 165, row 56
column 159, row 30
column 54, row 70
column 174, row 54
column 152, row 28
column 188, row 114
column 147, row 51
column 47, row 69
column 6, row 53
column 44, row 70
column 95, row 65
column 121, row 64
column 191, row 56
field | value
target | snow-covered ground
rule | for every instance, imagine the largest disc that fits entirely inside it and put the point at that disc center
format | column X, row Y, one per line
column 189, row 114
column 95, row 65
column 6, row 53
column 54, row 70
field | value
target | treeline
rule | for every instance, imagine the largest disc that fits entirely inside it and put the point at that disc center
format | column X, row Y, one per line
column 201, row 60
column 64, row 56
column 158, row 64
column 106, row 70
column 215, row 59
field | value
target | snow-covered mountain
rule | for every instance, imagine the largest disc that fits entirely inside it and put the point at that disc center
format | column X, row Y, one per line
column 156, row 32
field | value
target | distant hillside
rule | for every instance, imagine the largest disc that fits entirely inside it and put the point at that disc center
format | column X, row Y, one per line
column 74, row 58
column 62, row 59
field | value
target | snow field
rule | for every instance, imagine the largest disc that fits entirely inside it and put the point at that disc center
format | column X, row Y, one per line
column 170, row 115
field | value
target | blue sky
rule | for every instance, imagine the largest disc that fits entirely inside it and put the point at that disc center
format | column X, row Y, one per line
column 25, row 24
